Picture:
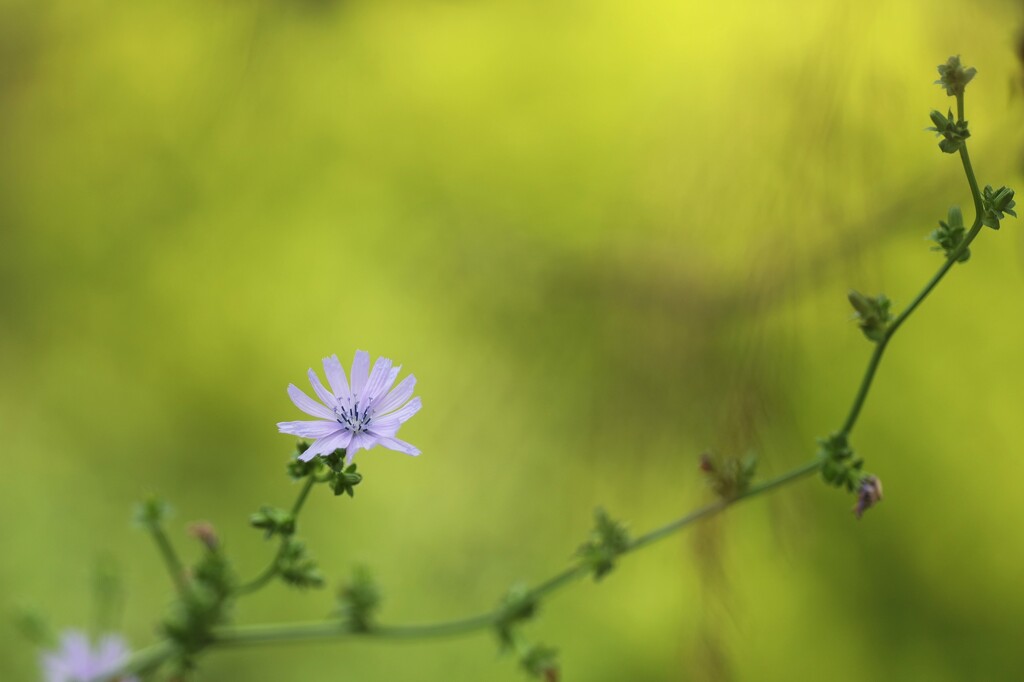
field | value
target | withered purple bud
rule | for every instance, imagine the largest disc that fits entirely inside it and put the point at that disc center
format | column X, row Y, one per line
column 706, row 465
column 206, row 534
column 868, row 495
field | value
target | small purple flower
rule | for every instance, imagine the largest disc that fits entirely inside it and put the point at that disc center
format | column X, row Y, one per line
column 78, row 661
column 358, row 416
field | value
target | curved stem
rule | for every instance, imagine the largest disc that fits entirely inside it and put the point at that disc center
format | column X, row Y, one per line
column 271, row 570
column 148, row 659
column 261, row 634
column 876, row 357
column 244, row 635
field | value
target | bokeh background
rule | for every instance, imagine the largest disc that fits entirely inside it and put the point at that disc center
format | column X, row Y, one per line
column 605, row 236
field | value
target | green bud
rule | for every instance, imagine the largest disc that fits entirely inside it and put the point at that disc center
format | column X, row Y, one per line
column 359, row 600
column 840, row 466
column 872, row 314
column 214, row 571
column 996, row 202
column 274, row 521
column 202, row 606
column 518, row 605
column 540, row 661
column 950, row 234
column 152, row 513
column 297, row 568
column 297, row 469
column 952, row 131
column 344, row 481
column 954, row 77
column 335, row 460
column 731, row 476
column 608, row 540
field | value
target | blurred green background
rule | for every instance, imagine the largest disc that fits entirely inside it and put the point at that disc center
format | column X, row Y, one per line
column 605, row 237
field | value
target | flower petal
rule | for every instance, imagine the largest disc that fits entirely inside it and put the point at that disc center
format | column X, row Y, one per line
column 401, row 393
column 398, row 445
column 360, row 373
column 389, row 382
column 327, row 445
column 389, row 423
column 375, row 385
column 325, row 396
column 336, row 377
column 407, row 411
column 111, row 651
column 307, row 404
column 360, row 441
column 383, row 429
column 310, row 429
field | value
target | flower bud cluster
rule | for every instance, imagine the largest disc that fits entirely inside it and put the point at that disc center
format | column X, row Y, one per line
column 359, row 599
column 540, row 661
column 841, row 467
column 608, row 540
column 954, row 77
column 152, row 513
column 952, row 132
column 872, row 314
column 537, row 660
column 950, row 234
column 517, row 606
column 731, row 476
column 839, row 464
column 996, row 202
column 203, row 604
column 296, row 567
column 341, row 479
column 273, row 521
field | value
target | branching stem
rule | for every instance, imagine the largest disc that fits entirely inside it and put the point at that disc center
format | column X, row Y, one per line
column 876, row 357
column 149, row 658
column 272, row 568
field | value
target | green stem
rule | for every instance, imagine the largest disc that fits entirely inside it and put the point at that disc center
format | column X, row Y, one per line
column 876, row 357
column 261, row 634
column 271, row 570
column 170, row 557
column 712, row 509
column 245, row 635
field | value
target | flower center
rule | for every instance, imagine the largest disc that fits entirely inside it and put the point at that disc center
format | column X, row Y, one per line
column 352, row 418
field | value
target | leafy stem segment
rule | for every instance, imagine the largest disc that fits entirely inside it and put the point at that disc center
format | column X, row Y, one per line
column 839, row 465
column 951, row 260
column 263, row 634
column 275, row 564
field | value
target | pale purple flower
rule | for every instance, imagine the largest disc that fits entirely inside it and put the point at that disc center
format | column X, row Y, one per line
column 76, row 660
column 354, row 416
